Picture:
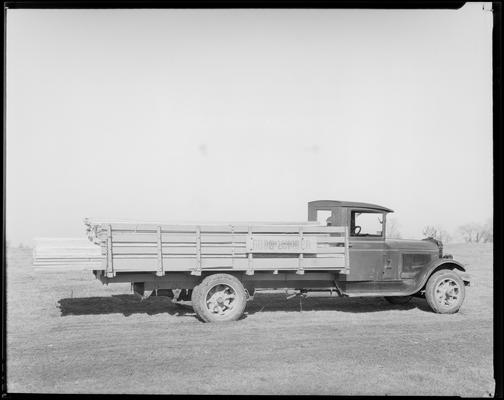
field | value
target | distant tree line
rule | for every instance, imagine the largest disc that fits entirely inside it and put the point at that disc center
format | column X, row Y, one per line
column 470, row 233
column 477, row 233
column 437, row 233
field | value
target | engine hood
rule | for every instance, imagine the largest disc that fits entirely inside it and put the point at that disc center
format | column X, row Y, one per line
column 411, row 245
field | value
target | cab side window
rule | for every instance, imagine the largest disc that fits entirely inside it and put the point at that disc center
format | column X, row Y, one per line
column 366, row 223
column 324, row 217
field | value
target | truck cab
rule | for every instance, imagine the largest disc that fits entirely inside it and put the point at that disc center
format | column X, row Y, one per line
column 379, row 265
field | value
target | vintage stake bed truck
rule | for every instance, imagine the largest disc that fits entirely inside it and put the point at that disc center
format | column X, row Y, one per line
column 340, row 251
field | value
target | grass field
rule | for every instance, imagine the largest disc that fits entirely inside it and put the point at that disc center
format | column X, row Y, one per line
column 67, row 333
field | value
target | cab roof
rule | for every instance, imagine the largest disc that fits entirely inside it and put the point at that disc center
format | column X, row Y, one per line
column 352, row 204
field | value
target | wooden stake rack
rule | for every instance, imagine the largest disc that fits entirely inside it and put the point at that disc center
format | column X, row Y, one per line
column 160, row 248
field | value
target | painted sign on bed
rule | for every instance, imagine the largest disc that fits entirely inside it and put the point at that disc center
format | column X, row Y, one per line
column 281, row 244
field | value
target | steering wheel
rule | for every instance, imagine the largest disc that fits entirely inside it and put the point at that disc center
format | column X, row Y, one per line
column 357, row 230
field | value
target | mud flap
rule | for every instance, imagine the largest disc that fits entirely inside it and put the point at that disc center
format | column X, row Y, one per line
column 250, row 294
column 138, row 288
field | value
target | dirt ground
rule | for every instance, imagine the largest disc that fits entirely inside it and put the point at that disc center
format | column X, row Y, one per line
column 67, row 333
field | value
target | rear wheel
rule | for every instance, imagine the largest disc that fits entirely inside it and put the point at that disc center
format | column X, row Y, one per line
column 219, row 298
column 398, row 299
column 445, row 292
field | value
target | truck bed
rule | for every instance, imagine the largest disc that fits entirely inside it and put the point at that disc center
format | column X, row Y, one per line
column 161, row 248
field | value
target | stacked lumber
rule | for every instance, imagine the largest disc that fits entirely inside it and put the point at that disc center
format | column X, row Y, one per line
column 67, row 253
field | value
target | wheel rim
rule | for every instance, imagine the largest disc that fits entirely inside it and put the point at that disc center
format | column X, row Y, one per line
column 447, row 292
column 220, row 300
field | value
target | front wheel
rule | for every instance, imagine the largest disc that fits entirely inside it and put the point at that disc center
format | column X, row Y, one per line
column 445, row 292
column 219, row 298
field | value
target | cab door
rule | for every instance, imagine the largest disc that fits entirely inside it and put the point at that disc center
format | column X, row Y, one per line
column 390, row 264
column 367, row 244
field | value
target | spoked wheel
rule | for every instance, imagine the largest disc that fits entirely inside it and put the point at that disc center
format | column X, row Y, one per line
column 219, row 298
column 445, row 292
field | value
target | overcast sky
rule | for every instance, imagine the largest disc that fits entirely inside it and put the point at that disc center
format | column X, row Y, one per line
column 246, row 115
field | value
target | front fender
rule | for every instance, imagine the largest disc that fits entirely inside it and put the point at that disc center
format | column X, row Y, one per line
column 442, row 263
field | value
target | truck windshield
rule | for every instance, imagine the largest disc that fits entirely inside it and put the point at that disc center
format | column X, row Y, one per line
column 366, row 223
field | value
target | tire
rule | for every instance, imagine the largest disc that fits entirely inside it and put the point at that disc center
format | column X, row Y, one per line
column 219, row 298
column 445, row 292
column 400, row 300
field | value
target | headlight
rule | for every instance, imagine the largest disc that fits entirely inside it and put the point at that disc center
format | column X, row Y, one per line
column 438, row 243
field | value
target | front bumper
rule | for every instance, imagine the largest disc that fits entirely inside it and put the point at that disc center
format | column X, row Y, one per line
column 465, row 277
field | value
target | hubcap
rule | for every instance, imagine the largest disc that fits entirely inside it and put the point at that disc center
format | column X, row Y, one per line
column 447, row 292
column 220, row 299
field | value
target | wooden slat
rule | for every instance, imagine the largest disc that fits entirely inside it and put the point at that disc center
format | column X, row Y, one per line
column 331, row 239
column 150, row 229
column 159, row 249
column 127, row 225
column 109, row 265
column 145, row 237
column 42, row 248
column 142, row 237
column 224, row 238
column 197, row 270
column 347, row 254
column 179, row 250
column 153, row 227
column 67, row 262
column 301, row 255
column 295, row 229
column 67, row 256
column 72, row 267
column 330, row 250
column 250, row 256
column 183, row 264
